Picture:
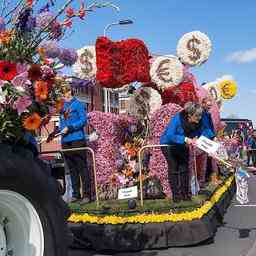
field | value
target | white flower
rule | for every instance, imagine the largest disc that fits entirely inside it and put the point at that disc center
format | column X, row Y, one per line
column 85, row 67
column 194, row 48
column 2, row 96
column 166, row 71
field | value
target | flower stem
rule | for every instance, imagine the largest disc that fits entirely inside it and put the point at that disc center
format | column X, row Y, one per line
column 51, row 22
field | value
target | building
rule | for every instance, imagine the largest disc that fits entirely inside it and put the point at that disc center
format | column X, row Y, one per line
column 123, row 102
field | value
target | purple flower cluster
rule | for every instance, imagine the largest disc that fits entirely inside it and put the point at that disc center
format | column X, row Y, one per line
column 56, row 31
column 26, row 22
column 78, row 83
column 51, row 49
column 68, row 57
column 43, row 19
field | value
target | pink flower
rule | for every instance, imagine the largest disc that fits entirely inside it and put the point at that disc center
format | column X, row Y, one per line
column 21, row 68
column 22, row 103
column 21, row 81
column 67, row 23
column 82, row 12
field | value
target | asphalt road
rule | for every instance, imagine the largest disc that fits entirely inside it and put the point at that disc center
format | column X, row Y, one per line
column 228, row 241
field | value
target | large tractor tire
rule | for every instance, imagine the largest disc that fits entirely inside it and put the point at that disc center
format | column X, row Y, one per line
column 33, row 216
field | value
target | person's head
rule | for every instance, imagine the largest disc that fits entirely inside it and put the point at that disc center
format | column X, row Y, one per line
column 207, row 103
column 193, row 111
column 67, row 92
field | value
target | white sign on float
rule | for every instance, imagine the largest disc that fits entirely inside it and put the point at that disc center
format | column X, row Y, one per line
column 125, row 193
column 208, row 146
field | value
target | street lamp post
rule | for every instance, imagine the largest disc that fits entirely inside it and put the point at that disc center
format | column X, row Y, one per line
column 106, row 93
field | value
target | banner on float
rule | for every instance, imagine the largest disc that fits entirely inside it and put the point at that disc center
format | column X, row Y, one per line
column 207, row 145
column 126, row 193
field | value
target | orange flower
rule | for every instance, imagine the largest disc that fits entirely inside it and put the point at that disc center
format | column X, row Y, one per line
column 41, row 52
column 41, row 90
column 5, row 37
column 127, row 145
column 32, row 122
column 128, row 172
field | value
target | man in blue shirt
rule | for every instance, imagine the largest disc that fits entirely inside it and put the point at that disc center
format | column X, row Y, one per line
column 182, row 131
column 73, row 119
column 208, row 123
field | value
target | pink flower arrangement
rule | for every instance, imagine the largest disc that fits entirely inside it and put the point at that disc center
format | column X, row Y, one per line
column 158, row 123
column 110, row 127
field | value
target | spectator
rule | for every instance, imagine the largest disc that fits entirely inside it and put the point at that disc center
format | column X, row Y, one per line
column 73, row 119
column 182, row 131
column 252, row 148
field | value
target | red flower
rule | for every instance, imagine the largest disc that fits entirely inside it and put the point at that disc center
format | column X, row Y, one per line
column 70, row 12
column 180, row 94
column 35, row 72
column 30, row 2
column 8, row 70
column 120, row 63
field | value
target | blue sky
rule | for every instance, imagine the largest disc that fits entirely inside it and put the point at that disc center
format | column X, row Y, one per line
column 231, row 25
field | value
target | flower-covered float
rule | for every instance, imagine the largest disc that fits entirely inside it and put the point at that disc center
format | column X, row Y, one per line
column 34, row 216
column 166, row 84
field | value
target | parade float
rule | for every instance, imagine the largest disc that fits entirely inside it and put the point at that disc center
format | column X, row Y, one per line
column 32, row 212
column 133, row 208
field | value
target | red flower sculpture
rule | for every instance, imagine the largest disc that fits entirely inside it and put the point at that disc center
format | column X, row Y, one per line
column 180, row 94
column 120, row 63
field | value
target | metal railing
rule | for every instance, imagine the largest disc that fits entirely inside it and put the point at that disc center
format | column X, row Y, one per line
column 61, row 151
column 140, row 166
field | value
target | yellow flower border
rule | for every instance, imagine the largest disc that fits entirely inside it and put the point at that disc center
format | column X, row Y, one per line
column 156, row 218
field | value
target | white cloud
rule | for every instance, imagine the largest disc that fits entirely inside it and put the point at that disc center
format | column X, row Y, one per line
column 224, row 77
column 241, row 57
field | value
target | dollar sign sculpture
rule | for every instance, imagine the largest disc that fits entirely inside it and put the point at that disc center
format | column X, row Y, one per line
column 162, row 72
column 191, row 45
column 85, row 58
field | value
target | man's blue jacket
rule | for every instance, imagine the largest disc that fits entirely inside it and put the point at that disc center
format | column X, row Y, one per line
column 175, row 134
column 208, row 124
column 73, row 116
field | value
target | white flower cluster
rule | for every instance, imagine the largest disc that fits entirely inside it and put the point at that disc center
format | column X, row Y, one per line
column 194, row 48
column 85, row 67
column 166, row 71
column 212, row 88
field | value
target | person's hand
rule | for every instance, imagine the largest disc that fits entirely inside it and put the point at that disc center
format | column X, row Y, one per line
column 50, row 137
column 189, row 141
column 215, row 139
column 65, row 130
